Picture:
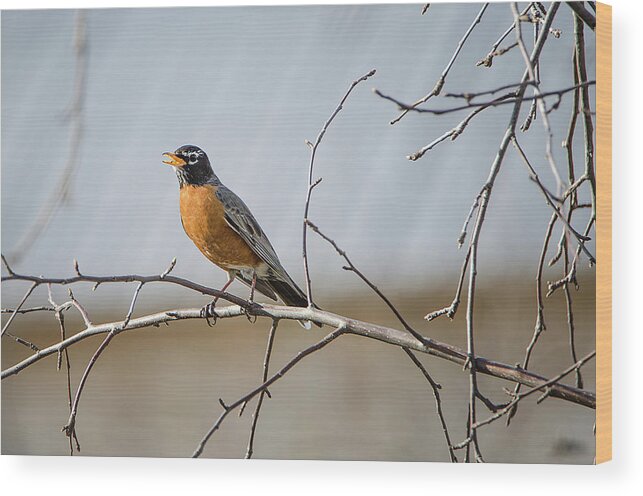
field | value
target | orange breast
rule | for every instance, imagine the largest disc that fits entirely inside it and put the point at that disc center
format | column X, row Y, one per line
column 204, row 222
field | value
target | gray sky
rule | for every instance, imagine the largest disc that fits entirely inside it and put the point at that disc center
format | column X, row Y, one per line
column 249, row 85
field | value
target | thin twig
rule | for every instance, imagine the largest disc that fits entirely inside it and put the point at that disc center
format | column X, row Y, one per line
column 570, row 319
column 128, row 317
column 550, row 201
column 469, row 95
column 6, row 265
column 22, row 311
column 471, row 361
column 571, row 128
column 588, row 127
column 264, row 378
column 438, row 402
column 437, row 88
column 494, row 52
column 312, row 184
column 533, row 75
column 492, row 103
column 451, row 310
column 540, row 318
column 532, row 110
column 351, row 267
column 435, row 387
column 522, row 396
column 456, row 131
column 22, row 341
column 17, row 309
column 60, row 317
column 70, row 427
column 81, row 309
column 265, row 385
column 570, row 278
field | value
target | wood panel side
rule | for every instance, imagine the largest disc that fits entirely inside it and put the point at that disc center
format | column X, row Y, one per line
column 604, row 233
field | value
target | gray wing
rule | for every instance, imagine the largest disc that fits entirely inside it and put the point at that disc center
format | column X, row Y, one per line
column 241, row 220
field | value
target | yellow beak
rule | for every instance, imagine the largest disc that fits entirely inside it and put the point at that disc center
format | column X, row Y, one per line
column 173, row 160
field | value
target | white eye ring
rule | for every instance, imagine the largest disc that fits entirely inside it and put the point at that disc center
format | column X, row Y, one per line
column 194, row 156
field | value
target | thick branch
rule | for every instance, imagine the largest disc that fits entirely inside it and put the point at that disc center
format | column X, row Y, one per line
column 387, row 335
column 584, row 14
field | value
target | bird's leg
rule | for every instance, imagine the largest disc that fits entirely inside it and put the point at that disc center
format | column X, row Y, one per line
column 252, row 296
column 252, row 287
column 208, row 310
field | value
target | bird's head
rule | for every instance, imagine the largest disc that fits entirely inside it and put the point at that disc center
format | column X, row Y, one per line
column 191, row 164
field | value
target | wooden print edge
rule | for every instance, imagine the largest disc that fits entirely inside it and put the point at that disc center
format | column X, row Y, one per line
column 604, row 233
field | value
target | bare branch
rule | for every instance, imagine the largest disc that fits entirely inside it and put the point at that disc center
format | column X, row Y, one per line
column 484, row 201
column 550, row 201
column 451, row 310
column 570, row 278
column 264, row 378
column 359, row 274
column 247, row 397
column 81, row 309
column 22, row 311
column 570, row 321
column 437, row 88
column 533, row 75
column 133, row 302
column 569, row 138
column 532, row 110
column 522, row 396
column 70, row 427
column 494, row 52
column 588, row 127
column 312, row 184
column 583, row 14
column 438, row 402
column 17, row 309
column 491, row 103
column 434, row 386
column 6, row 264
column 22, row 341
column 540, row 318
column 384, row 334
column 169, row 269
column 470, row 95
column 127, row 278
column 456, row 131
column 61, row 323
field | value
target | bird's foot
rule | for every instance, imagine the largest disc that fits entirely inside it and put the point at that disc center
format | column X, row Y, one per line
column 209, row 312
column 252, row 318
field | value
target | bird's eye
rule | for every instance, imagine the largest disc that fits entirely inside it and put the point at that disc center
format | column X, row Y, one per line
column 193, row 157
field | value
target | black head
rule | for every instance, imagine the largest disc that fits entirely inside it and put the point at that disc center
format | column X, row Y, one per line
column 191, row 164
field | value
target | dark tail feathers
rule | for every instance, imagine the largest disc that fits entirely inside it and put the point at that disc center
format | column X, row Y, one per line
column 290, row 294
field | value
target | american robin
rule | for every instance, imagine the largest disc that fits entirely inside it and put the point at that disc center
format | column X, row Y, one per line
column 222, row 227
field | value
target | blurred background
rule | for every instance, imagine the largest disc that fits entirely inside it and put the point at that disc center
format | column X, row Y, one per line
column 90, row 100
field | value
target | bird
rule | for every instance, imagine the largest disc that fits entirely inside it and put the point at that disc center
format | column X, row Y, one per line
column 224, row 230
